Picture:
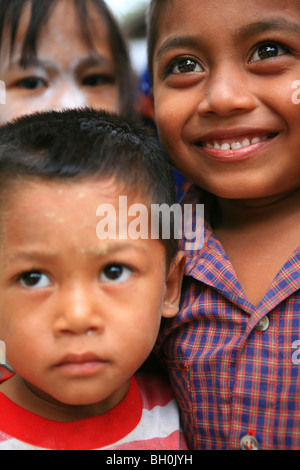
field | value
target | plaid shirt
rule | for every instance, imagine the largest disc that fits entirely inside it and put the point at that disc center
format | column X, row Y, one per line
column 235, row 368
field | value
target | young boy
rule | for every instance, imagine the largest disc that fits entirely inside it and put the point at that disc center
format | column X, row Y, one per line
column 80, row 304
column 225, row 78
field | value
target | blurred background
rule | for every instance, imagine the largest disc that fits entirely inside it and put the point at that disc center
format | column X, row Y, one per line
column 131, row 15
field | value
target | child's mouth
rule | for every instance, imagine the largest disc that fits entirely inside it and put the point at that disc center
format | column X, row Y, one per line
column 235, row 143
column 235, row 148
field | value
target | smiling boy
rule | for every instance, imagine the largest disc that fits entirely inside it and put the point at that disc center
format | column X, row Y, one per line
column 225, row 72
column 80, row 315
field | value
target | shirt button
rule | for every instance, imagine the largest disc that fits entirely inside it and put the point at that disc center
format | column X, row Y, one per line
column 249, row 442
column 263, row 324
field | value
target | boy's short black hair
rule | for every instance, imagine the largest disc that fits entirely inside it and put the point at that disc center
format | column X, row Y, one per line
column 76, row 144
column 10, row 15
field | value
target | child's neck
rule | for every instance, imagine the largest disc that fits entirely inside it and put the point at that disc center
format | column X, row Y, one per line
column 24, row 395
column 258, row 238
column 244, row 213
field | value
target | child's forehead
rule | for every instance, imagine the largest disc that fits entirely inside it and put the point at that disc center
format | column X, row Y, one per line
column 63, row 16
column 73, row 191
column 52, row 215
column 38, row 207
column 177, row 19
column 162, row 11
column 160, row 5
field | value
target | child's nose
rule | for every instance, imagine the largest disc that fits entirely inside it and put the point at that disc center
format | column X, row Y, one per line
column 77, row 312
column 69, row 96
column 226, row 92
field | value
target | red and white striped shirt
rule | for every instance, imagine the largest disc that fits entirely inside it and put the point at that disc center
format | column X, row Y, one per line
column 147, row 419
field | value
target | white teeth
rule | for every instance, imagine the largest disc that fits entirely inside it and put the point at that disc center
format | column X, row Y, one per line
column 225, row 147
column 235, row 145
column 255, row 140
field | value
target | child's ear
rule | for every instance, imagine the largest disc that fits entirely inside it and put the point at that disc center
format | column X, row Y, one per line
column 173, row 286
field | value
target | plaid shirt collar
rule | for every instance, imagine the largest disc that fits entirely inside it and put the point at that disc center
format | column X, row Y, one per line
column 210, row 264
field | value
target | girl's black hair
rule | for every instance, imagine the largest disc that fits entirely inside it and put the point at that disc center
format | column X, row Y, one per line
column 10, row 15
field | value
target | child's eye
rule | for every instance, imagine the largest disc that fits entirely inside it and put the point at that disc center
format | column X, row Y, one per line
column 267, row 51
column 31, row 83
column 115, row 273
column 95, row 80
column 34, row 279
column 185, row 65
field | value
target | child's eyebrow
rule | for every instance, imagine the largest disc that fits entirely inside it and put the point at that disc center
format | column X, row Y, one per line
column 88, row 61
column 110, row 249
column 175, row 43
column 94, row 61
column 252, row 29
column 275, row 24
column 30, row 255
column 101, row 249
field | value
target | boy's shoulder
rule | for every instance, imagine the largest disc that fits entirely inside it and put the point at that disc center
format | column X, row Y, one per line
column 160, row 422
